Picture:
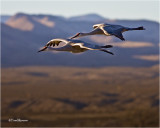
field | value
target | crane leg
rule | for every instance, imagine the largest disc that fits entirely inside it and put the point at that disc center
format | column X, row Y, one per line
column 106, row 51
column 107, row 46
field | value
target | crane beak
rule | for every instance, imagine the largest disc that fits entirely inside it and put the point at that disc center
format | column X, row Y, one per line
column 44, row 48
column 75, row 36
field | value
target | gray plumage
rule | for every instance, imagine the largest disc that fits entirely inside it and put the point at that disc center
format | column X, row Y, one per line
column 73, row 46
column 108, row 30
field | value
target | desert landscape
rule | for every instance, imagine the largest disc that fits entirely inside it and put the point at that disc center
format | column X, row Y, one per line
column 68, row 96
column 93, row 89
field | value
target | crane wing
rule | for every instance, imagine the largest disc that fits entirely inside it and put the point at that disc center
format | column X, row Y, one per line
column 53, row 42
column 112, row 29
column 56, row 42
column 119, row 35
column 97, row 25
column 89, row 47
column 85, row 45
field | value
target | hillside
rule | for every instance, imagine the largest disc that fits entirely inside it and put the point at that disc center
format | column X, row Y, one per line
column 23, row 35
column 80, row 97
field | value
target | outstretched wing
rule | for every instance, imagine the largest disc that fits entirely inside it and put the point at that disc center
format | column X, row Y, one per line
column 56, row 42
column 112, row 29
column 85, row 45
column 106, row 28
column 119, row 35
column 97, row 25
column 53, row 43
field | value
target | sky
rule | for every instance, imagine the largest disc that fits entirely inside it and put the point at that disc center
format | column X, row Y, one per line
column 112, row 9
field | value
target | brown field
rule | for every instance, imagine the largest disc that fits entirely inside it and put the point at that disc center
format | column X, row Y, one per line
column 67, row 96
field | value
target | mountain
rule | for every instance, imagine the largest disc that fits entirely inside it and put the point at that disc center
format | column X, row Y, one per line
column 23, row 35
column 87, row 17
column 4, row 18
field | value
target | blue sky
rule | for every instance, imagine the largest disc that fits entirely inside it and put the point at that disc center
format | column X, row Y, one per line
column 115, row 9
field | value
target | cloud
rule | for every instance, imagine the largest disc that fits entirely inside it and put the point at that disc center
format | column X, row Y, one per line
column 147, row 57
column 130, row 44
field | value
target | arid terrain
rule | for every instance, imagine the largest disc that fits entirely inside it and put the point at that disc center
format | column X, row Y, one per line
column 92, row 89
column 71, row 96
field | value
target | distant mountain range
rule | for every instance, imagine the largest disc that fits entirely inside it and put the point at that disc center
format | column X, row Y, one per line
column 23, row 35
column 4, row 18
column 87, row 17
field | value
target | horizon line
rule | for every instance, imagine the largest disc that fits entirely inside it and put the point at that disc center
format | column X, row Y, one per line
column 67, row 17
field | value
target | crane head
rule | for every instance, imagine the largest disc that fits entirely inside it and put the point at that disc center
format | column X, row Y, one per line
column 75, row 36
column 43, row 49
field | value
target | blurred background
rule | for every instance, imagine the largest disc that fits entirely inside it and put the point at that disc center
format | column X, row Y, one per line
column 91, row 89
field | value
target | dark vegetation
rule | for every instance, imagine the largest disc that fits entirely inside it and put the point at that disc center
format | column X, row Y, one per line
column 65, row 96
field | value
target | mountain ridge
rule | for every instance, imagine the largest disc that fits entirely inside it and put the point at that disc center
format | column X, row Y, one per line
column 22, row 43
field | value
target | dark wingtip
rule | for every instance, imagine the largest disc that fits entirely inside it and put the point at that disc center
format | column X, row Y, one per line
column 123, row 39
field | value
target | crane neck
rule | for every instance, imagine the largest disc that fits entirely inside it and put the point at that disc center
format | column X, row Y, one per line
column 89, row 33
column 94, row 32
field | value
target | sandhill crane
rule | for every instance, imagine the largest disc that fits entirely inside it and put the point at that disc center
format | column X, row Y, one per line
column 74, row 46
column 108, row 30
